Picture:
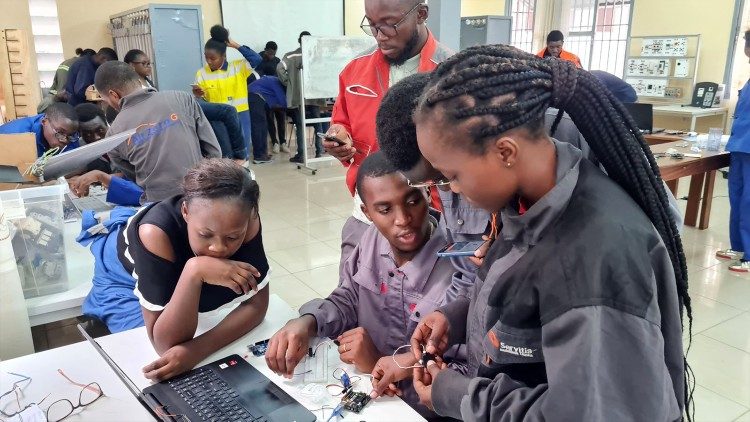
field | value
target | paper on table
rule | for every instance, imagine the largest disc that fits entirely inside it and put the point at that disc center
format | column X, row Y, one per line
column 32, row 413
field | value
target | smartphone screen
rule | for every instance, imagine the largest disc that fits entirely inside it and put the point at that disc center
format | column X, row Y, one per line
column 460, row 249
column 331, row 138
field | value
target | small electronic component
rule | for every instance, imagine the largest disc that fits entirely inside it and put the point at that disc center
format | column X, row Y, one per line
column 346, row 381
column 426, row 357
column 355, row 401
column 259, row 348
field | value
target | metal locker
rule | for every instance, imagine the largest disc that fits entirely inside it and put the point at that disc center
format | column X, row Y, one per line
column 171, row 35
column 482, row 30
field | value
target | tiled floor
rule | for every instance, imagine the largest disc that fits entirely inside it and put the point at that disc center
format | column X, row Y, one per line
column 302, row 217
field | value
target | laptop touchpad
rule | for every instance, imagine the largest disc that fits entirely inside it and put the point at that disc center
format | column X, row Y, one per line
column 264, row 396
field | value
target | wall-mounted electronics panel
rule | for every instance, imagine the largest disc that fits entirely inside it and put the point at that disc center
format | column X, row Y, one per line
column 663, row 68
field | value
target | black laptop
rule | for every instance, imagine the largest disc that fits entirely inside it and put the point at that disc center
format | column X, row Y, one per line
column 228, row 389
column 643, row 114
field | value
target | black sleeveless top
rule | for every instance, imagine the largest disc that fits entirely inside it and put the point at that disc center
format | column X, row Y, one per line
column 156, row 277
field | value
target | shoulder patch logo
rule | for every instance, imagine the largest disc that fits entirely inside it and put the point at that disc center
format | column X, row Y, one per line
column 524, row 352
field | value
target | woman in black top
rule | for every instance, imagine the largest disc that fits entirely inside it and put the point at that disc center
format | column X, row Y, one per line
column 192, row 253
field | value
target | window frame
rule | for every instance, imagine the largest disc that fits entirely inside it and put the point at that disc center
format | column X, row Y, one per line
column 590, row 34
column 510, row 12
column 734, row 43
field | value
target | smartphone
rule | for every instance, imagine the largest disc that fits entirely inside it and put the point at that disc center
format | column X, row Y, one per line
column 460, row 249
column 331, row 138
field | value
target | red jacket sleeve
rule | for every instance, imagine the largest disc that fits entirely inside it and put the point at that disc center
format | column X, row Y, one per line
column 340, row 114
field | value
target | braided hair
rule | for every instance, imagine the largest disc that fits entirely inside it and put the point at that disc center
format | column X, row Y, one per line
column 495, row 88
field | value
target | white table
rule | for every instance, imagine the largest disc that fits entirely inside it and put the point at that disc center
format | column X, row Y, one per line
column 82, row 364
column 66, row 304
column 132, row 351
column 693, row 113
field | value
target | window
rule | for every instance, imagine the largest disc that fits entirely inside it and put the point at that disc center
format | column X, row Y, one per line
column 599, row 31
column 47, row 42
column 734, row 75
column 522, row 35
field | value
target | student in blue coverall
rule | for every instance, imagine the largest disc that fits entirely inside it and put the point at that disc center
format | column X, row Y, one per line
column 264, row 95
column 81, row 74
column 56, row 128
column 93, row 127
column 739, row 180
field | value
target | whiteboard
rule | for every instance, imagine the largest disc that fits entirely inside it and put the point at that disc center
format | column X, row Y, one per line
column 323, row 58
column 254, row 22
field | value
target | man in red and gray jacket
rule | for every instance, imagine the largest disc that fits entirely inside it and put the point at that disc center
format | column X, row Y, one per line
column 404, row 46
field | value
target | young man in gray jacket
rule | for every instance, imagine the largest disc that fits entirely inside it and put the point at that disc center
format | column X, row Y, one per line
column 391, row 279
column 172, row 134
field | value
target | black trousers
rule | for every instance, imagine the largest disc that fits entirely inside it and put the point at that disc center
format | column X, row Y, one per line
column 276, row 117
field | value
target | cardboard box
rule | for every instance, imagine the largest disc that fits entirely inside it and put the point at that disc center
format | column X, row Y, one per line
column 18, row 150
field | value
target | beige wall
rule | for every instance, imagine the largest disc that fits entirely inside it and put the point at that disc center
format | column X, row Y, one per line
column 354, row 10
column 15, row 15
column 482, row 7
column 741, row 70
column 83, row 23
column 712, row 20
column 690, row 17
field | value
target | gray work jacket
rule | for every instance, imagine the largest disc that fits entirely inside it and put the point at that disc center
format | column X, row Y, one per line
column 574, row 316
column 173, row 136
column 386, row 300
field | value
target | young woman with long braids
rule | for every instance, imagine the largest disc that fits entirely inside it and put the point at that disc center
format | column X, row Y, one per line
column 576, row 314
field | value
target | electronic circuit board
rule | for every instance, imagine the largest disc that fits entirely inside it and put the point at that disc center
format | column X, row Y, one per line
column 355, row 401
column 259, row 348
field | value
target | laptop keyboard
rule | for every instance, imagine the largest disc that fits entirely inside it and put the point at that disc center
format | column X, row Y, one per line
column 90, row 203
column 211, row 398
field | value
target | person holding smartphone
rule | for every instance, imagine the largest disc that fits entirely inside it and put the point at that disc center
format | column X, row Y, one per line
column 404, row 46
column 225, row 82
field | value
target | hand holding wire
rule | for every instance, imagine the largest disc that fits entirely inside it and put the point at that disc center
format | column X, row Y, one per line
column 388, row 371
column 431, row 335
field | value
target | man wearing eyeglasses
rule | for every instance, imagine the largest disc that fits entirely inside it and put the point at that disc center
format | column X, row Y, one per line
column 404, row 46
column 56, row 128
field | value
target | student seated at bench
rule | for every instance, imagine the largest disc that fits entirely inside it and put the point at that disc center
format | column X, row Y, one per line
column 391, row 279
column 168, row 262
column 57, row 128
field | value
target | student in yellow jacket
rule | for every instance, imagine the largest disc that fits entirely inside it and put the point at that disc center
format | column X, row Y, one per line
column 225, row 82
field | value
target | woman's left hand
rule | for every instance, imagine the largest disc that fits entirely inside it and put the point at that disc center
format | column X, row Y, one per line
column 423, row 379
column 232, row 43
column 173, row 362
column 480, row 253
